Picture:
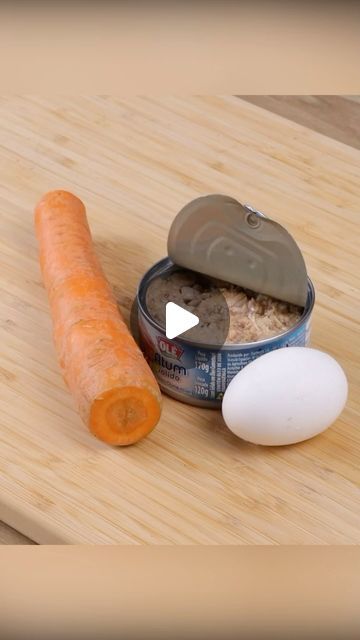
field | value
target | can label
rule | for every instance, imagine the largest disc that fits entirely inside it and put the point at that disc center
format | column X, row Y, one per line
column 202, row 373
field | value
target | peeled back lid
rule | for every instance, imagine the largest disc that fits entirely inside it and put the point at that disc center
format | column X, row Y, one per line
column 218, row 236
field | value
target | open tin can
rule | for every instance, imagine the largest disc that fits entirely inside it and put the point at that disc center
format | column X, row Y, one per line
column 216, row 236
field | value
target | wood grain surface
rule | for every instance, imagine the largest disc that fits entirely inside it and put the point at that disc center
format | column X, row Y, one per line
column 135, row 163
column 335, row 116
column 8, row 535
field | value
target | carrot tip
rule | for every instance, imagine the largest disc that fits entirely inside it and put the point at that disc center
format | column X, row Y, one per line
column 122, row 416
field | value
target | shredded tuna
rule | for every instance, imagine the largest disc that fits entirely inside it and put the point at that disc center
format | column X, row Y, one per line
column 253, row 316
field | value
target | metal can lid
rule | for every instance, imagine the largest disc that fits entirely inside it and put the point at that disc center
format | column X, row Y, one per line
column 218, row 236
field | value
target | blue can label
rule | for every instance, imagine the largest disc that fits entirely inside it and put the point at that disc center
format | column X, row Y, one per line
column 202, row 373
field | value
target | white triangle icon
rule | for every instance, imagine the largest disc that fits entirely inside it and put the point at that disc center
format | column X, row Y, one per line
column 178, row 320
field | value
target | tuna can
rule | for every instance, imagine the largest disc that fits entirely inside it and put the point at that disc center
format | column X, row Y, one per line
column 199, row 374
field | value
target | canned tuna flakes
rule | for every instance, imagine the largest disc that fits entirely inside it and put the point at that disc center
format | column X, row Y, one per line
column 218, row 247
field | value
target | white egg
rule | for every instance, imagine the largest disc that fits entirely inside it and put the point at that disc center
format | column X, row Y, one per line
column 285, row 396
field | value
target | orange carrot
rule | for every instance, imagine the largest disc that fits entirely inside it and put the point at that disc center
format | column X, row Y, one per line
column 114, row 389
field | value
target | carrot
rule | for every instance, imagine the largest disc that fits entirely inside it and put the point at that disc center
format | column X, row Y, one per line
column 114, row 389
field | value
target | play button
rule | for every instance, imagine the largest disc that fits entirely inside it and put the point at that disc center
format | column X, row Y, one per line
column 186, row 305
column 178, row 320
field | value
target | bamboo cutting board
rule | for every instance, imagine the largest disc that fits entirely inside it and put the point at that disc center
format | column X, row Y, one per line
column 135, row 163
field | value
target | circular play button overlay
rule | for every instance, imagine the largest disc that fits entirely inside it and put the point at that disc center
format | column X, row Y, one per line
column 188, row 305
column 178, row 320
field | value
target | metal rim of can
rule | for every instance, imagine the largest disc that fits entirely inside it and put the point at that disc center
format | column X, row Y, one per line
column 165, row 264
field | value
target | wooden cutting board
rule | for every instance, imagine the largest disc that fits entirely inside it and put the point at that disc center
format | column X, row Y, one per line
column 135, row 163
